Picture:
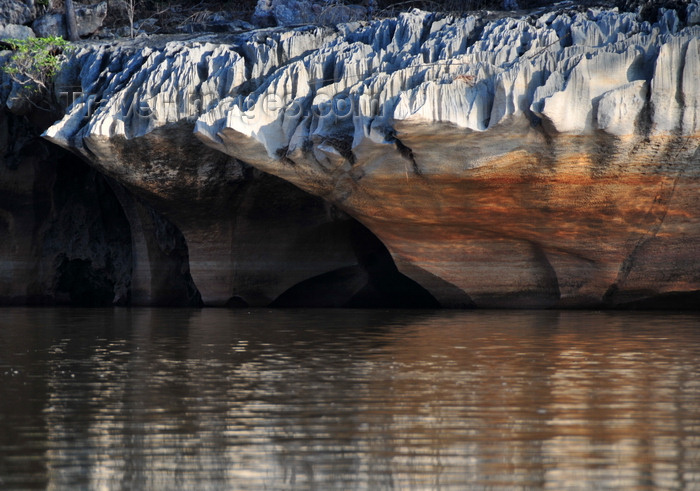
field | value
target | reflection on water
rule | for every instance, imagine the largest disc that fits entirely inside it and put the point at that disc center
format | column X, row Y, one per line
column 220, row 399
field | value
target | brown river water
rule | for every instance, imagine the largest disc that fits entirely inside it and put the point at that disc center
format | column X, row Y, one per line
column 348, row 399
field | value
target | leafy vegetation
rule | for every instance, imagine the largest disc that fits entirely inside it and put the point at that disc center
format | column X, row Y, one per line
column 34, row 64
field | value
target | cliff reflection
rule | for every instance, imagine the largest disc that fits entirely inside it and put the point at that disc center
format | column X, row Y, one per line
column 357, row 399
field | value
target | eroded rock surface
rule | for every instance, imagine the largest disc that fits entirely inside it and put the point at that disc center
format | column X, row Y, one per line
column 17, row 12
column 88, row 18
column 541, row 161
column 250, row 236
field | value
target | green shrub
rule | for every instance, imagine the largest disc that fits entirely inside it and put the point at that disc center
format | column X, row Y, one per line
column 34, row 64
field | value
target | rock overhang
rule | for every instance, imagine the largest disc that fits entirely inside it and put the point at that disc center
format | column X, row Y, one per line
column 563, row 139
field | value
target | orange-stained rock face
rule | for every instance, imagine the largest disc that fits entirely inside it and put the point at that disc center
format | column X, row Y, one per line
column 550, row 160
column 561, row 221
column 546, row 229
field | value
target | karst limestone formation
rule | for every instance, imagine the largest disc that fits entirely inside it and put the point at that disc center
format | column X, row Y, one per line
column 546, row 159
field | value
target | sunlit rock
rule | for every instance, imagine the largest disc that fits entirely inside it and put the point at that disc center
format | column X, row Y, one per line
column 249, row 236
column 542, row 161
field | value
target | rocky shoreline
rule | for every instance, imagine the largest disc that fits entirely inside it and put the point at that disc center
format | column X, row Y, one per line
column 545, row 160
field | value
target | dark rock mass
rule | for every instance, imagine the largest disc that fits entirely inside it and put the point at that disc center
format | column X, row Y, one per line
column 64, row 236
column 71, row 235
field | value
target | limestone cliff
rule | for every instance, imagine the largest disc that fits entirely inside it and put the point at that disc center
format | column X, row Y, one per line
column 551, row 159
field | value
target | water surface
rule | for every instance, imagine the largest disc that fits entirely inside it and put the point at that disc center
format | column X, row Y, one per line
column 348, row 399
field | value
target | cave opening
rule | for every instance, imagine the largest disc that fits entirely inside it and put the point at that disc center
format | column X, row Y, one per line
column 374, row 282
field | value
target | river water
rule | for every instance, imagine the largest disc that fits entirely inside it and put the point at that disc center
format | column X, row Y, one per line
column 348, row 399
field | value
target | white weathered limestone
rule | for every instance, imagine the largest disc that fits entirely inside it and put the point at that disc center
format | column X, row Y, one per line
column 620, row 108
column 368, row 112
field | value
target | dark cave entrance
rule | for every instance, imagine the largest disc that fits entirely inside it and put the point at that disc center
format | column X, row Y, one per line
column 375, row 282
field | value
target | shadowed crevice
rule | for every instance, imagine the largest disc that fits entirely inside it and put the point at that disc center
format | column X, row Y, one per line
column 374, row 282
column 616, row 298
column 446, row 294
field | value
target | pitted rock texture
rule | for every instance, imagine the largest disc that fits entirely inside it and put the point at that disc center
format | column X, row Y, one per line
column 88, row 18
column 542, row 161
column 17, row 11
column 251, row 237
